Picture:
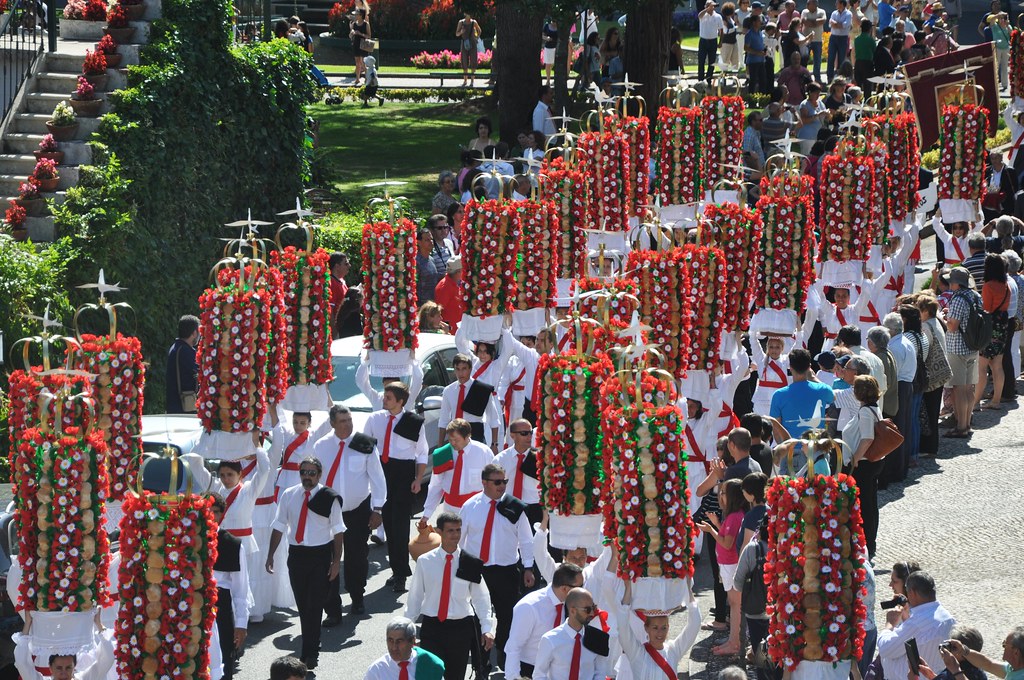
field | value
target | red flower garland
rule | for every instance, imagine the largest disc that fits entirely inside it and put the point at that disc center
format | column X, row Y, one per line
column 390, row 303
column 603, row 159
column 23, row 392
column 814, row 571
column 615, row 306
column 234, row 338
column 636, row 162
column 60, row 484
column 306, row 314
column 569, row 432
column 899, row 133
column 663, row 279
column 490, row 251
column 119, row 394
column 568, row 189
column 785, row 252
column 737, row 231
column 168, row 594
column 723, row 136
column 962, row 131
column 1016, row 63
column 705, row 304
column 538, row 255
column 847, row 197
column 647, row 499
column 679, row 170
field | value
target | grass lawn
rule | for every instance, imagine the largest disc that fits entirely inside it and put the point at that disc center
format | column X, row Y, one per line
column 408, row 142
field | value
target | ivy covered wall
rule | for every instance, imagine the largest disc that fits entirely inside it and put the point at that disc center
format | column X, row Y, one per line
column 205, row 131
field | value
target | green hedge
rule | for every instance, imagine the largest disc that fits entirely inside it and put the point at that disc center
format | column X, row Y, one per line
column 204, row 132
column 338, row 95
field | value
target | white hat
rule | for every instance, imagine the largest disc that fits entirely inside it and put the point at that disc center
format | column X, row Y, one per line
column 697, row 386
column 454, row 263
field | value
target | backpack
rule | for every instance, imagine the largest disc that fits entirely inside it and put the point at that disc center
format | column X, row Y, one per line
column 755, row 595
column 977, row 330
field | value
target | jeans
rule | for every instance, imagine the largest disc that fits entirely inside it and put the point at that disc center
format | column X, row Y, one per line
column 707, row 52
column 870, row 642
column 815, row 54
column 838, row 46
column 915, row 427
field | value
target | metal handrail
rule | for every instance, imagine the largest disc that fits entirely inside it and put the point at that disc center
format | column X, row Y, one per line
column 24, row 35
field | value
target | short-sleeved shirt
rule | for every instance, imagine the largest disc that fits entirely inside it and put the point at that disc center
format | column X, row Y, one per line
column 960, row 309
column 742, row 468
column 864, row 47
column 801, row 406
column 710, row 25
column 817, row 15
column 752, row 520
column 755, row 41
column 885, row 15
column 1012, row 674
column 732, row 526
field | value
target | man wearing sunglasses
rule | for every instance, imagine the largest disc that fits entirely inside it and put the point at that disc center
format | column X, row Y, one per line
column 496, row 529
column 521, row 460
column 574, row 650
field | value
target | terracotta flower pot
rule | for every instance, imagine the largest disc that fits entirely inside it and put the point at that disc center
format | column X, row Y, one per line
column 48, row 184
column 98, row 80
column 52, row 155
column 114, row 60
column 120, row 35
column 34, row 207
column 89, row 108
column 20, row 234
column 134, row 12
column 64, row 133
column 426, row 541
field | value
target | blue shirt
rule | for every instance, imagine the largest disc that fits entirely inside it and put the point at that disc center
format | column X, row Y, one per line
column 885, row 15
column 801, row 406
column 755, row 41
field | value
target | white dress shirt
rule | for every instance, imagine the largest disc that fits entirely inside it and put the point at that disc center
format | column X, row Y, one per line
column 542, row 120
column 238, row 514
column 94, row 664
column 238, row 583
column 532, row 616
column 283, row 436
column 554, row 657
column 905, row 353
column 476, row 457
column 929, row 624
column 399, row 447
column 376, row 398
column 358, row 474
column 319, row 531
column 508, row 541
column 386, row 668
column 464, row 598
column 640, row 662
column 509, row 460
column 450, row 402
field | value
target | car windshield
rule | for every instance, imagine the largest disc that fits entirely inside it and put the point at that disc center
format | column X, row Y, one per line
column 344, row 389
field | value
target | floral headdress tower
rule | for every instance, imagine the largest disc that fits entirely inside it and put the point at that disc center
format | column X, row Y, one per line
column 963, row 126
column 679, row 172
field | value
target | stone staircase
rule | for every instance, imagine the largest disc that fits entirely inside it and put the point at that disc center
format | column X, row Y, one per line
column 54, row 80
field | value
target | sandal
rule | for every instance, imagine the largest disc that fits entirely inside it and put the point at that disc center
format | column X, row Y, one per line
column 718, row 651
column 957, row 434
column 989, row 406
column 715, row 625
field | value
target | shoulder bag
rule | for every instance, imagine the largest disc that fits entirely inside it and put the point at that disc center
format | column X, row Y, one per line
column 887, row 439
column 936, row 365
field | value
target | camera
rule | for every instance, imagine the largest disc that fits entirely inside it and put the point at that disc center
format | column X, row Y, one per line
column 894, row 602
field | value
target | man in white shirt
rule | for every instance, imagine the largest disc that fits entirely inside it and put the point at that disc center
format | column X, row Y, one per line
column 929, row 623
column 448, row 591
column 360, row 483
column 403, row 453
column 542, row 116
column 562, row 654
column 310, row 514
column 813, row 19
column 904, row 351
column 841, row 23
column 456, row 470
column 404, row 660
column 496, row 529
column 470, row 400
column 711, row 27
column 536, row 614
column 529, row 349
column 231, row 574
column 520, row 461
column 851, row 338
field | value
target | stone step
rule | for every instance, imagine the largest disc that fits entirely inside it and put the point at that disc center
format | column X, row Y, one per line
column 41, row 229
column 65, row 83
column 35, row 123
column 75, row 152
column 80, row 47
column 9, row 183
column 44, row 102
column 75, row 29
column 17, row 164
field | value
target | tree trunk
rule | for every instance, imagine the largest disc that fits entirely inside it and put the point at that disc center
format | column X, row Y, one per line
column 562, row 61
column 516, row 66
column 648, row 28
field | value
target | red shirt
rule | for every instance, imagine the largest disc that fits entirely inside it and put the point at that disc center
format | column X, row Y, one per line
column 448, row 293
column 338, row 291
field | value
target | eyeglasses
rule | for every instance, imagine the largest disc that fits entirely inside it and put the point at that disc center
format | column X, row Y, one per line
column 590, row 610
column 524, row 432
column 308, row 473
column 497, row 482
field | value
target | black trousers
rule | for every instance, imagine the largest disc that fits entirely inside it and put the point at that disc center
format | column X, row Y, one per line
column 356, row 566
column 721, row 599
column 400, row 475
column 451, row 640
column 932, row 406
column 1009, row 379
column 707, row 53
column 866, row 475
column 504, row 584
column 307, row 571
column 896, row 462
column 226, row 630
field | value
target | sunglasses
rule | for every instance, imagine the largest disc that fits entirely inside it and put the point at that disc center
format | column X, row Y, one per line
column 589, row 610
column 497, row 482
column 308, row 473
column 524, row 432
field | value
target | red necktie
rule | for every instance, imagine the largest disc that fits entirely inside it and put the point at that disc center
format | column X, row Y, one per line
column 446, row 589
column 300, row 530
column 485, row 544
column 457, row 476
column 558, row 615
column 574, row 666
column 458, row 404
column 404, row 673
column 335, row 464
column 517, row 486
column 387, row 440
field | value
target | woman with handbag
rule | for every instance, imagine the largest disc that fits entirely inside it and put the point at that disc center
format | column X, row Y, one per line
column 938, row 372
column 858, row 436
column 360, row 32
column 995, row 298
column 911, row 316
column 468, row 31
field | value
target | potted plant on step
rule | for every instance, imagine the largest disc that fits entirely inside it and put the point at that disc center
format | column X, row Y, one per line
column 46, row 174
column 134, row 9
column 84, row 100
column 48, row 149
column 30, row 199
column 108, row 46
column 94, row 68
column 117, row 25
column 62, row 124
column 15, row 221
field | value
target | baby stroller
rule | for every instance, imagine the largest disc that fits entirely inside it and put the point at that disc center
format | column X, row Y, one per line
column 370, row 89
